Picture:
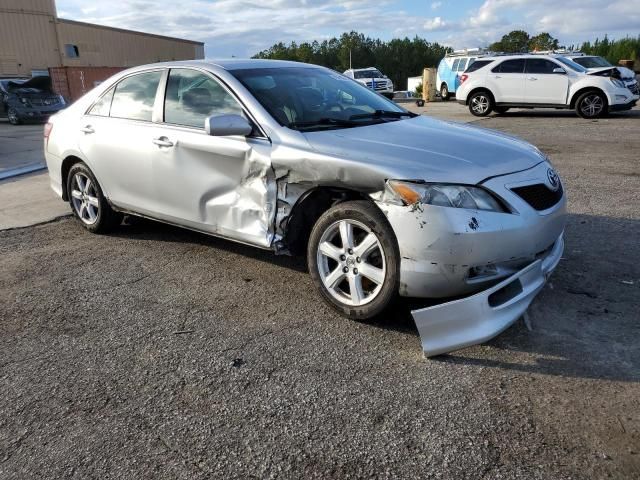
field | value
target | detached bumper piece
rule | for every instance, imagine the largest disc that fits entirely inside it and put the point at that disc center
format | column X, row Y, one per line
column 469, row 321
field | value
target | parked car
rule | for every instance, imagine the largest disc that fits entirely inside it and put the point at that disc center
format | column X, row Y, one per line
column 24, row 99
column 450, row 69
column 372, row 78
column 542, row 81
column 594, row 63
column 295, row 158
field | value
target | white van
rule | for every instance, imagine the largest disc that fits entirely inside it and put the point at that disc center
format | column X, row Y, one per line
column 451, row 67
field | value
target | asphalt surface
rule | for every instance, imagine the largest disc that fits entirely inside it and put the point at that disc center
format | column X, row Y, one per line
column 20, row 146
column 155, row 352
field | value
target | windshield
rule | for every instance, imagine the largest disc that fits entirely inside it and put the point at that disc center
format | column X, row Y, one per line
column 571, row 64
column 368, row 74
column 592, row 62
column 306, row 98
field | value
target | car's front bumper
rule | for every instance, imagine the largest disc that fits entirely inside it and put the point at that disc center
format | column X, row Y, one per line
column 453, row 325
column 618, row 107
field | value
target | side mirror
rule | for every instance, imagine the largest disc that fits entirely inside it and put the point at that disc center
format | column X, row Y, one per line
column 559, row 70
column 227, row 125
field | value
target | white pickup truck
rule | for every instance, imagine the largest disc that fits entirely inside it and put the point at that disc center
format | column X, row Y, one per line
column 372, row 78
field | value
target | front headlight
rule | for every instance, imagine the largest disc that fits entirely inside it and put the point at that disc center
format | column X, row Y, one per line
column 444, row 195
column 618, row 83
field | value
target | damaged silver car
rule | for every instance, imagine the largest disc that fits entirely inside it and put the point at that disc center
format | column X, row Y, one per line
column 299, row 159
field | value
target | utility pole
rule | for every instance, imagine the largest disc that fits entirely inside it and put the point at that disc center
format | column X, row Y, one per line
column 350, row 58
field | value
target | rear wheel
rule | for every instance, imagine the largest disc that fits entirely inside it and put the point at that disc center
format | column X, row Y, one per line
column 444, row 92
column 353, row 259
column 591, row 104
column 480, row 104
column 87, row 201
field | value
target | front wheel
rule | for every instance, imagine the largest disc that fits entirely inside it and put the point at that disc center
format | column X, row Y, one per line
column 353, row 259
column 591, row 105
column 480, row 104
column 87, row 201
column 13, row 117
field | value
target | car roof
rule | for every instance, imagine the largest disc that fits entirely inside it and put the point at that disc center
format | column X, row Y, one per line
column 230, row 64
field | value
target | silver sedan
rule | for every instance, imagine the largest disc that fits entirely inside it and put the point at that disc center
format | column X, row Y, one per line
column 299, row 159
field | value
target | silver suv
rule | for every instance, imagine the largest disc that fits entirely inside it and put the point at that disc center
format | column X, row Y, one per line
column 297, row 158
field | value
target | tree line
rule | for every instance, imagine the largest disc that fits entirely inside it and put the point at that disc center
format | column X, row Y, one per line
column 398, row 58
column 404, row 57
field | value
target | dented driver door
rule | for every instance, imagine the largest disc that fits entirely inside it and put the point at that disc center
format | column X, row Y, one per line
column 218, row 184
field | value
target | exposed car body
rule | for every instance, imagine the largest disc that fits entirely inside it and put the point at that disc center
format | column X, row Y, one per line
column 287, row 157
column 372, row 78
column 542, row 81
column 33, row 100
column 594, row 63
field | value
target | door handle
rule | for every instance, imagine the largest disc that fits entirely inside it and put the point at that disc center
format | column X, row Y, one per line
column 87, row 129
column 163, row 142
column 497, row 76
column 532, row 79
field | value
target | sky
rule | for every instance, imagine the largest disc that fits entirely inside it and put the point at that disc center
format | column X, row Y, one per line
column 242, row 28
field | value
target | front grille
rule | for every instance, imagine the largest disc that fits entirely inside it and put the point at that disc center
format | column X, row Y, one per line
column 635, row 89
column 539, row 196
column 379, row 85
column 44, row 101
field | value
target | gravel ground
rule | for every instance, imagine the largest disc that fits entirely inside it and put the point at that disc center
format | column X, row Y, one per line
column 159, row 353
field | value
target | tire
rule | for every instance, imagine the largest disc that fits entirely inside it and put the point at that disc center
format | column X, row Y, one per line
column 13, row 117
column 87, row 202
column 420, row 103
column 500, row 110
column 371, row 259
column 591, row 104
column 444, row 92
column 481, row 103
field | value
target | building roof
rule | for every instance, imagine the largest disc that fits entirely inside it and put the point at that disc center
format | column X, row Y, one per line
column 94, row 25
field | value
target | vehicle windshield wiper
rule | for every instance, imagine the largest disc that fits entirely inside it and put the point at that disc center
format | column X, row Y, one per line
column 381, row 113
column 325, row 121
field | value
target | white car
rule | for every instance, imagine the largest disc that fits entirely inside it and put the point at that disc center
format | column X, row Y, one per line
column 372, row 78
column 296, row 158
column 542, row 81
column 594, row 63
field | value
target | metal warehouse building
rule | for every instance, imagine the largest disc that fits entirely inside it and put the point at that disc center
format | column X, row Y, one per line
column 77, row 55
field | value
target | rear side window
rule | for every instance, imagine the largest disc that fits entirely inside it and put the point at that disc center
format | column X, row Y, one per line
column 540, row 65
column 192, row 96
column 510, row 66
column 103, row 105
column 134, row 96
column 462, row 65
column 477, row 65
column 456, row 62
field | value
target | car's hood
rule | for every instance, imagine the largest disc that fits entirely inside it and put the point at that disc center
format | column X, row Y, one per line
column 39, row 83
column 622, row 72
column 423, row 148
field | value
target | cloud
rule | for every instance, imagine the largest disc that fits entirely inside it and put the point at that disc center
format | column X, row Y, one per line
column 244, row 27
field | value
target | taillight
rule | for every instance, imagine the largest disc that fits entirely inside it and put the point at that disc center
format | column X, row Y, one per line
column 48, row 127
column 463, row 77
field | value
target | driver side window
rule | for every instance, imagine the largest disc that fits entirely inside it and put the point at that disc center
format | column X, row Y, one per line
column 192, row 96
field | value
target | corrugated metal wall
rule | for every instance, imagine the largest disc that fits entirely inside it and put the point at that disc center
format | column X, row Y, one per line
column 32, row 38
column 108, row 47
column 27, row 37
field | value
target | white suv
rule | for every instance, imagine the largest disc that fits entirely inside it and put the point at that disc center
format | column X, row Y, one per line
column 372, row 78
column 541, row 81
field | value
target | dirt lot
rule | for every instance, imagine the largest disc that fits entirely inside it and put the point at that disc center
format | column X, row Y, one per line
column 159, row 353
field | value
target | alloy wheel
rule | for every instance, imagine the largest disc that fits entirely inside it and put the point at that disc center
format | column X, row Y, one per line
column 480, row 104
column 592, row 105
column 12, row 116
column 351, row 262
column 85, row 198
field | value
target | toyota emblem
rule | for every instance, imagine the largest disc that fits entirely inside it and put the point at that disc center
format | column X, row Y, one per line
column 554, row 180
